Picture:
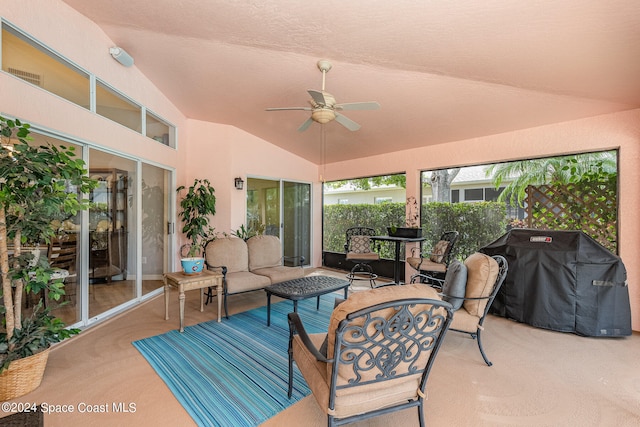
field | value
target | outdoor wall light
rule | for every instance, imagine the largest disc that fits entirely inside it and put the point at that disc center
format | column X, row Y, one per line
column 238, row 183
column 121, row 56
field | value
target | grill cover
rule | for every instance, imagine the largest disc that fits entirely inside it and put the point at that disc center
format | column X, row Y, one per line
column 563, row 281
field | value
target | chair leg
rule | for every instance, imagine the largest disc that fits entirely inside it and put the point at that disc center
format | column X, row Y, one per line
column 421, row 413
column 366, row 272
column 290, row 391
column 226, row 312
column 484, row 356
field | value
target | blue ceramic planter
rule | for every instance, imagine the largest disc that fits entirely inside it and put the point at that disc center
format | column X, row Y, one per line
column 192, row 265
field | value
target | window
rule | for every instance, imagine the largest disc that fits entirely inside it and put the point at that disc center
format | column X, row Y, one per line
column 473, row 195
column 378, row 200
column 114, row 106
column 571, row 192
column 159, row 130
column 371, row 203
column 32, row 62
column 491, row 194
column 25, row 58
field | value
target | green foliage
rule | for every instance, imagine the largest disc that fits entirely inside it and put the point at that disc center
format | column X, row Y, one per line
column 588, row 203
column 337, row 218
column 477, row 223
column 196, row 207
column 563, row 170
column 399, row 180
column 38, row 183
column 245, row 233
column 36, row 333
column 34, row 182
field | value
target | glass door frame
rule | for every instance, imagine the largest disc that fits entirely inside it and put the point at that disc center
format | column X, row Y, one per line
column 281, row 206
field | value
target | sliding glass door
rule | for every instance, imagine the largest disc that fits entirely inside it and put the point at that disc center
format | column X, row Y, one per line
column 283, row 209
column 156, row 184
column 112, row 232
column 297, row 220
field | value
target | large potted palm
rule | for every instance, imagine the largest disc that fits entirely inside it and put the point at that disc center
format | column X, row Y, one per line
column 34, row 189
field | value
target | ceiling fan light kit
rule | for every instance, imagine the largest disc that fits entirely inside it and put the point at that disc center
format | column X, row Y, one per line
column 323, row 115
column 324, row 107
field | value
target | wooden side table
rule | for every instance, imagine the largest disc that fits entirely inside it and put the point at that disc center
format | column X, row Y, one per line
column 184, row 282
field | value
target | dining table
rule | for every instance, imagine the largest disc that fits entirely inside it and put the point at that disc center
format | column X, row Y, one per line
column 398, row 241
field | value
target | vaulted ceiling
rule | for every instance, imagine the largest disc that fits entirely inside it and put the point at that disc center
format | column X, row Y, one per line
column 442, row 70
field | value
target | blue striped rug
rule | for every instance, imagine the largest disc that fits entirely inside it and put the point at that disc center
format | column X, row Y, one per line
column 234, row 373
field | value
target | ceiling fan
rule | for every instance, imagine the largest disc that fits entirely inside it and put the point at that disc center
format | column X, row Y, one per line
column 324, row 107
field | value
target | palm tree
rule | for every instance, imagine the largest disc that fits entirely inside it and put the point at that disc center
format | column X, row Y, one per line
column 561, row 170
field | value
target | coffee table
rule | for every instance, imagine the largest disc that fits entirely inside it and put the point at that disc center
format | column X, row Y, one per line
column 303, row 288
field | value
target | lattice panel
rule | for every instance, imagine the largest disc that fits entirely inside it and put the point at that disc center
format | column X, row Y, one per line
column 592, row 209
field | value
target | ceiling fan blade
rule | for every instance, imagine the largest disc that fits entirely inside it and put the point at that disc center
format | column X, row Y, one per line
column 289, row 108
column 358, row 106
column 347, row 122
column 305, row 125
column 318, row 97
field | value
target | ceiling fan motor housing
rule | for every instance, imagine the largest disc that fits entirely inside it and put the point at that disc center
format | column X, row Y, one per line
column 323, row 115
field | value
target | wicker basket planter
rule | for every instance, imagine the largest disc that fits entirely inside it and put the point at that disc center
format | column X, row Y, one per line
column 23, row 376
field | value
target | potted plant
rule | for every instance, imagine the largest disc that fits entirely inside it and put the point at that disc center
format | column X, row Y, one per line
column 245, row 233
column 196, row 206
column 34, row 183
column 412, row 228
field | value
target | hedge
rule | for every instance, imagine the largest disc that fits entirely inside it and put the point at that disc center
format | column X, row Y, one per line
column 478, row 223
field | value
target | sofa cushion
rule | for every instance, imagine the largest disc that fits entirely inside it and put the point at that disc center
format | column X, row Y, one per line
column 455, row 284
column 280, row 273
column 482, row 272
column 229, row 252
column 243, row 281
column 264, row 251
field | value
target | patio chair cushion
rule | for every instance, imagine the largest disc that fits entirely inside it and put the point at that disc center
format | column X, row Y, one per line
column 439, row 251
column 367, row 256
column 455, row 284
column 371, row 297
column 482, row 271
column 360, row 244
column 425, row 264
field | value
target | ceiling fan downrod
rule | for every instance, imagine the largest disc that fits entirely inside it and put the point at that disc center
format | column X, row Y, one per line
column 324, row 66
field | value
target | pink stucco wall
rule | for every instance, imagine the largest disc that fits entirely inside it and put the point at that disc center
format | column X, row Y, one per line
column 222, row 153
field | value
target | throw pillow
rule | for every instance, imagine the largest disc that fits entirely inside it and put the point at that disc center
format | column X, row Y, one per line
column 360, row 244
column 438, row 252
column 455, row 284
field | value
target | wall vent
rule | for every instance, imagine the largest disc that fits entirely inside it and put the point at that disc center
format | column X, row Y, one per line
column 26, row 76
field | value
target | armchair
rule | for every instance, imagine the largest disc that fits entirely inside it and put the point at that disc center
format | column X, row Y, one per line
column 471, row 288
column 380, row 347
column 433, row 267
